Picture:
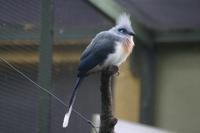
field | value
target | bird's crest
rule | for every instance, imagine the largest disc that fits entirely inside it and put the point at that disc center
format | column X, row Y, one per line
column 123, row 19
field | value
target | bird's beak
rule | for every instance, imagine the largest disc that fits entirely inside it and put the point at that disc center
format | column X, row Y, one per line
column 132, row 33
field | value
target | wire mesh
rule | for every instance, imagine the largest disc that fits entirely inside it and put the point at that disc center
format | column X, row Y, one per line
column 20, row 28
column 19, row 40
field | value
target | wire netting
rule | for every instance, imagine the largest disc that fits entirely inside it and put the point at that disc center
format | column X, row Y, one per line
column 19, row 40
column 20, row 29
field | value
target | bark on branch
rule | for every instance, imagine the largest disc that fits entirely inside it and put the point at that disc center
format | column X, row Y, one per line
column 108, row 122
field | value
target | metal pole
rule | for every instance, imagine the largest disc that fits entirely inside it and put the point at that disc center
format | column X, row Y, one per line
column 45, row 65
column 147, row 83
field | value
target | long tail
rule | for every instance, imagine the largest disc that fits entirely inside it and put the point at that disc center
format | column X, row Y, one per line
column 71, row 102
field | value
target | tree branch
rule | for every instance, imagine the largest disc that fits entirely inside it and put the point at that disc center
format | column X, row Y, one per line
column 108, row 122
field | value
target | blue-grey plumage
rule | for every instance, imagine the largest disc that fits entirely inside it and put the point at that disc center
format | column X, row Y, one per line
column 96, row 53
column 110, row 47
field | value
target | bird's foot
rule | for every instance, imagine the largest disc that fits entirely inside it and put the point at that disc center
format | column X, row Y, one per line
column 118, row 73
column 111, row 70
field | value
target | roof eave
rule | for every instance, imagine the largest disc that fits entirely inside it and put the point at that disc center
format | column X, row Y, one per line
column 113, row 10
column 148, row 36
column 177, row 36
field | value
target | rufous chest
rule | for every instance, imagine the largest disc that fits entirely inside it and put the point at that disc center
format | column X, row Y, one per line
column 127, row 45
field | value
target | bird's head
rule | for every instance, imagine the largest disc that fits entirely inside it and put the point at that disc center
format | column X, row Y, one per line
column 123, row 26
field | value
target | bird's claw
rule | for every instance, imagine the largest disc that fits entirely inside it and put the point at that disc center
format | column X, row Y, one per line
column 117, row 73
column 110, row 70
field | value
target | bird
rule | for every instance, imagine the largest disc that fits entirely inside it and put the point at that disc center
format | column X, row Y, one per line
column 107, row 48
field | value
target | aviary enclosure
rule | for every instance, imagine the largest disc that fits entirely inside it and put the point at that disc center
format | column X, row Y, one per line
column 35, row 61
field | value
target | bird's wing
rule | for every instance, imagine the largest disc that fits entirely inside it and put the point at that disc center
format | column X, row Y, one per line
column 101, row 46
column 89, row 48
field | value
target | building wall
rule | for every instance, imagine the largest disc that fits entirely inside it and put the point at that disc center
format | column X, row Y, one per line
column 178, row 88
column 126, row 94
column 19, row 97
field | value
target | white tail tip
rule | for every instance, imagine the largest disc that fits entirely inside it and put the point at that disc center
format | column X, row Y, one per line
column 66, row 118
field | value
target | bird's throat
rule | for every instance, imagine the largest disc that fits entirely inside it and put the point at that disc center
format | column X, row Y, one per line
column 127, row 46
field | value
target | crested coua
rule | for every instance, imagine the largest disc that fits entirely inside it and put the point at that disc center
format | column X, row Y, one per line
column 111, row 47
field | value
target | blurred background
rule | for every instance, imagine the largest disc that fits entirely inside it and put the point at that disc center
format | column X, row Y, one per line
column 157, row 86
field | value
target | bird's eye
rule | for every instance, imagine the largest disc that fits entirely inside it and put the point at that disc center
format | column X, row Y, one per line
column 122, row 30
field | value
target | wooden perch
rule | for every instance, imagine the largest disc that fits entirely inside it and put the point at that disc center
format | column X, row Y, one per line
column 108, row 122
